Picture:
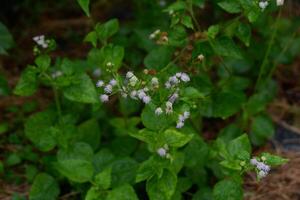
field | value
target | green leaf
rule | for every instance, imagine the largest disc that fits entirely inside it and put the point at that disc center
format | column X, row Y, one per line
column 95, row 193
column 225, row 46
column 213, row 31
column 158, row 58
column 162, row 188
column 124, row 192
column 175, row 138
column 102, row 159
column 261, row 129
column 106, row 30
column 147, row 169
column 89, row 132
column 238, row 145
column 84, row 4
column 44, row 187
column 112, row 54
column 40, row 131
column 6, row 39
column 222, row 104
column 43, row 62
column 177, row 6
column 103, row 179
column 228, row 190
column 244, row 33
column 273, row 160
column 82, row 91
column 196, row 152
column 28, row 83
column 192, row 93
column 152, row 121
column 92, row 38
column 230, row 6
column 76, row 162
column 123, row 171
column 187, row 21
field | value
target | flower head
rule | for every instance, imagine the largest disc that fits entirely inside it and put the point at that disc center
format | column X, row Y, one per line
column 146, row 99
column 108, row 89
column 113, row 82
column 280, row 2
column 185, row 78
column 158, row 111
column 99, row 83
column 104, row 98
column 162, row 152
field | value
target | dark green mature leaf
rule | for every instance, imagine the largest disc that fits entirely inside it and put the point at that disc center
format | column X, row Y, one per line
column 76, row 162
column 103, row 159
column 84, row 4
column 244, row 33
column 222, row 104
column 124, row 192
column 28, row 83
column 39, row 130
column 94, row 193
column 230, row 6
column 89, row 132
column 43, row 62
column 228, row 190
column 175, row 138
column 196, row 152
column 82, row 91
column 162, row 188
column 158, row 58
column 153, row 121
column 262, row 128
column 147, row 169
column 106, row 30
column 44, row 188
column 6, row 39
column 112, row 54
column 123, row 171
column 225, row 46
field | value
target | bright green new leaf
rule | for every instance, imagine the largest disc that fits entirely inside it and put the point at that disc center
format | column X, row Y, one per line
column 273, row 160
column 230, row 6
column 112, row 54
column 225, row 46
column 196, row 152
column 175, row 138
column 43, row 62
column 84, row 4
column 147, row 169
column 213, row 31
column 44, row 187
column 243, row 32
column 262, row 128
column 106, row 30
column 187, row 21
column 236, row 146
column 28, row 83
column 95, row 193
column 92, row 38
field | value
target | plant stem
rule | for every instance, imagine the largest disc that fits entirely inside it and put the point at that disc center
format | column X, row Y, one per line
column 263, row 67
column 191, row 11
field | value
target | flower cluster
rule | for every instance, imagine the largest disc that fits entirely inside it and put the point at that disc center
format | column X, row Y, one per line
column 264, row 4
column 40, row 40
column 163, row 152
column 108, row 89
column 182, row 118
column 161, row 37
column 173, row 81
column 263, row 169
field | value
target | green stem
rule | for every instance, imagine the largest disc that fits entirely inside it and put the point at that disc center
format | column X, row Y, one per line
column 264, row 65
column 191, row 11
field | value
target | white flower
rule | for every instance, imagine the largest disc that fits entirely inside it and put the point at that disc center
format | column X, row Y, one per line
column 40, row 40
column 158, row 111
column 157, row 32
column 173, row 80
column 56, row 74
column 133, row 94
column 169, row 107
column 181, row 118
column 99, row 83
column 146, row 89
column 178, row 74
column 97, row 72
column 123, row 94
column 109, row 64
column 146, row 99
column 162, row 152
column 141, row 94
column 104, row 98
column 184, row 77
column 154, row 81
column 280, row 2
column 133, row 80
column 200, row 57
column 263, row 4
column 253, row 161
column 263, row 167
column 179, row 124
column 186, row 114
column 173, row 97
column 113, row 82
column 262, row 174
column 168, row 85
column 108, row 89
column 152, row 36
column 129, row 74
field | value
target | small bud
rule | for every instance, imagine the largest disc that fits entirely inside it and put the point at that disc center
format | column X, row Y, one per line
column 280, row 2
column 200, row 57
column 158, row 111
column 104, row 98
column 146, row 99
column 99, row 83
column 113, row 82
column 162, row 152
column 108, row 89
column 185, row 77
column 129, row 74
column 179, row 124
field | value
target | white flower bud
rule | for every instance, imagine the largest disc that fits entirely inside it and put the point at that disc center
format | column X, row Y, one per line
column 179, row 124
column 104, row 98
column 158, row 111
column 162, row 152
column 280, row 2
column 129, row 74
column 146, row 99
column 200, row 57
column 154, row 81
column 185, row 77
column 113, row 82
column 97, row 72
column 99, row 83
column 108, row 89
column 186, row 114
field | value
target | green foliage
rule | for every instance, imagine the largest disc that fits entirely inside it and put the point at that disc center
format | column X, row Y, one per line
column 132, row 118
column 6, row 39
